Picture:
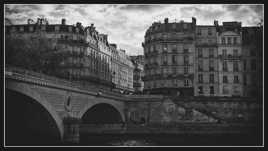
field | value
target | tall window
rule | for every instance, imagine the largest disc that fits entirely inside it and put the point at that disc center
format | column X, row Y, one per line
column 186, row 60
column 165, row 60
column 200, row 65
column 224, row 52
column 211, row 53
column 199, row 32
column 224, row 66
column 235, row 66
column 165, row 47
column 235, row 52
column 200, row 90
column 174, row 70
column 225, row 79
column 229, row 40
column 209, row 31
column 245, row 79
column 236, row 79
column 211, row 65
column 211, row 78
column 186, row 70
column 186, row 82
column 235, row 40
column 200, row 78
column 223, row 40
column 211, row 90
column 174, row 61
column 245, row 65
column 199, row 51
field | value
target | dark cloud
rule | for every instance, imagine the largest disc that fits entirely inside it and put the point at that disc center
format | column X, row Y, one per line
column 257, row 8
column 205, row 14
column 22, row 8
column 81, row 11
column 60, row 7
column 232, row 7
column 142, row 7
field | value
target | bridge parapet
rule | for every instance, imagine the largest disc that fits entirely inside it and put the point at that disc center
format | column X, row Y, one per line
column 50, row 81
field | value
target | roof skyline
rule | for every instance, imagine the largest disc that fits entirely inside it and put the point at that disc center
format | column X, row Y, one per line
column 126, row 24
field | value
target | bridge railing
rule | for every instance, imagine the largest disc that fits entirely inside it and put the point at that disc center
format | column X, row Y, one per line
column 24, row 73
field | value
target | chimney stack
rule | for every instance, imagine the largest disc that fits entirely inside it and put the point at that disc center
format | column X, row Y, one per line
column 216, row 23
column 194, row 20
column 166, row 20
column 63, row 21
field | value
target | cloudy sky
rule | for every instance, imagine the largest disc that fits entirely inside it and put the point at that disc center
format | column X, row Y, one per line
column 126, row 24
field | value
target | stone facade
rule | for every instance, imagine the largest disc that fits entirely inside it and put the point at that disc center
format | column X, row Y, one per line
column 138, row 73
column 89, row 56
column 169, row 58
column 202, row 60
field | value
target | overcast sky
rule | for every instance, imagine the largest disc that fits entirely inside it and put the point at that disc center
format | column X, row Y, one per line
column 126, row 24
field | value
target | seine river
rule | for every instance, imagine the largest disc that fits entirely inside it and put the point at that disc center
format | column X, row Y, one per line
column 171, row 140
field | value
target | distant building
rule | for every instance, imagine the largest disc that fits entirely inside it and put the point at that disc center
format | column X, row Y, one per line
column 138, row 73
column 89, row 56
column 252, row 51
column 169, row 50
column 203, row 60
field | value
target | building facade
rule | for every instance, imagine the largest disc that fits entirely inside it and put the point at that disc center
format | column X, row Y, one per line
column 229, row 39
column 138, row 73
column 88, row 55
column 252, row 61
column 169, row 58
column 206, row 56
column 203, row 60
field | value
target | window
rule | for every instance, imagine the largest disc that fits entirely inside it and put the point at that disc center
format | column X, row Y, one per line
column 57, row 28
column 225, row 90
column 223, row 40
column 200, row 78
column 225, row 79
column 186, row 60
column 253, row 65
column 185, row 50
column 186, row 83
column 229, row 40
column 199, row 51
column 200, row 65
column 245, row 65
column 165, row 48
column 211, row 90
column 236, row 80
column 174, row 70
column 209, row 31
column 199, row 32
column 200, row 90
column 22, row 29
column 184, row 26
column 235, row 40
column 211, row 53
column 211, row 65
column 211, row 78
column 235, row 66
column 164, row 60
column 224, row 66
column 245, row 79
column 174, row 61
column 186, row 70
column 224, row 52
column 235, row 52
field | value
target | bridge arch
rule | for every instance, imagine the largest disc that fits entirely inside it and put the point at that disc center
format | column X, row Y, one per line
column 31, row 97
column 102, row 109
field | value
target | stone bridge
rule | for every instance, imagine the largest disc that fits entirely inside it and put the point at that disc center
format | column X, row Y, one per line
column 51, row 110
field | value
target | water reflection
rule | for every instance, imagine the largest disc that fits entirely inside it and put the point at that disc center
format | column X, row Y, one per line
column 131, row 142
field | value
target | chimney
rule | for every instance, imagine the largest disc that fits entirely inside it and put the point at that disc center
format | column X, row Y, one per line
column 78, row 24
column 92, row 25
column 194, row 20
column 166, row 20
column 216, row 23
column 63, row 21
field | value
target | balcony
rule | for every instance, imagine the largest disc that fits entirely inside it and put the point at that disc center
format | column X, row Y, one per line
column 230, row 57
